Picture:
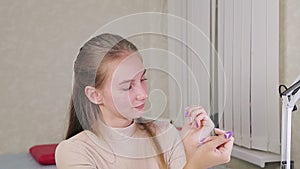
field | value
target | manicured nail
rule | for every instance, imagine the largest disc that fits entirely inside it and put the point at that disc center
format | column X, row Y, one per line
column 201, row 142
column 197, row 125
column 228, row 134
column 186, row 113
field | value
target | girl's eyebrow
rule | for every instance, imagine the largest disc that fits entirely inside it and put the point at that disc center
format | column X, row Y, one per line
column 130, row 80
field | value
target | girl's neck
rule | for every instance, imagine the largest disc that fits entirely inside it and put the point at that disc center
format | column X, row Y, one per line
column 118, row 123
column 115, row 120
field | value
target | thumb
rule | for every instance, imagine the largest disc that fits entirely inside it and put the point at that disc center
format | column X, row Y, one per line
column 217, row 141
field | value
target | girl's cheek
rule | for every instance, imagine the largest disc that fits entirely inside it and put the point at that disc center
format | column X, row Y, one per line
column 121, row 97
column 131, row 97
column 122, row 102
column 145, row 86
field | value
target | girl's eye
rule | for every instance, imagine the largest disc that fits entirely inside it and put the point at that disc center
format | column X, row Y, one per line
column 128, row 88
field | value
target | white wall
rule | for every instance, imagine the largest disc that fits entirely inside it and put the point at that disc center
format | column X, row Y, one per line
column 38, row 43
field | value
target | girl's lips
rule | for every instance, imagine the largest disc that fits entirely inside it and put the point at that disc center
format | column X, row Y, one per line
column 140, row 107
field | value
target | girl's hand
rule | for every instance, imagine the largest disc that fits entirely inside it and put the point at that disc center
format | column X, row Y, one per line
column 215, row 150
column 197, row 127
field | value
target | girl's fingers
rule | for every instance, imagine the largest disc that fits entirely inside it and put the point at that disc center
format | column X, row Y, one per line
column 226, row 148
column 202, row 120
column 197, row 117
column 191, row 109
column 219, row 131
column 229, row 144
column 217, row 141
column 205, row 140
column 227, row 134
column 195, row 113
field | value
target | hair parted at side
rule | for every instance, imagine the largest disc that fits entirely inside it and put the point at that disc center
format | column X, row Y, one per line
column 90, row 69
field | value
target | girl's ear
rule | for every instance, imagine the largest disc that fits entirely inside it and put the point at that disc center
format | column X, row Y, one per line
column 93, row 95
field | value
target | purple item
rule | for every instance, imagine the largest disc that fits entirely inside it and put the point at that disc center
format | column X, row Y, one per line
column 228, row 134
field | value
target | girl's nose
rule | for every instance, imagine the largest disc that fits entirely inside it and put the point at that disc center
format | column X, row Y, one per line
column 142, row 94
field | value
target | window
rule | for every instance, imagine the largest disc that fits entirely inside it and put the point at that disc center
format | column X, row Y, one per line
column 227, row 60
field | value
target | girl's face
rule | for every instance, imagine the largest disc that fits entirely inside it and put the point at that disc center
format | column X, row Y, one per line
column 126, row 90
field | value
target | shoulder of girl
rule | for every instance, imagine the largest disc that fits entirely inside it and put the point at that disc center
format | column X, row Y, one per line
column 164, row 125
column 71, row 152
column 75, row 140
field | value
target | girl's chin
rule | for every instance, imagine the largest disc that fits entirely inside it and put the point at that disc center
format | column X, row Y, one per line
column 137, row 114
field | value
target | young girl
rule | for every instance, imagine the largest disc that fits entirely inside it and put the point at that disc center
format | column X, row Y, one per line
column 106, row 129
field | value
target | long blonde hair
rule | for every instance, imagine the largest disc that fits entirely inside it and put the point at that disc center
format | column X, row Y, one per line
column 90, row 69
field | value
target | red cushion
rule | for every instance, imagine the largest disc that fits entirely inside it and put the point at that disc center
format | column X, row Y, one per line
column 44, row 154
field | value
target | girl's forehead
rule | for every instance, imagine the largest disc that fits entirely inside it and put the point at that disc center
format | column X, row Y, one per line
column 128, row 67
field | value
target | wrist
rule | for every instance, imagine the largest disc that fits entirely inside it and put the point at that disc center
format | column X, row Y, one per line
column 188, row 165
column 196, row 162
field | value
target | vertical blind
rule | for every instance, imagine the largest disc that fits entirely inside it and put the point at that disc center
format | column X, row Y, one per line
column 249, row 41
column 231, row 56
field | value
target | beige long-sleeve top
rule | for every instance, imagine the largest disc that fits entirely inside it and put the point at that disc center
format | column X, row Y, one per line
column 121, row 148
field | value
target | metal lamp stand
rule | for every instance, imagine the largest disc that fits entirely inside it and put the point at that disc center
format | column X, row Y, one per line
column 289, row 98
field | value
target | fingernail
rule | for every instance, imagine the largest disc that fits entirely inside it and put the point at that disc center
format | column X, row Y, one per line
column 228, row 134
column 201, row 142
column 186, row 113
column 197, row 125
